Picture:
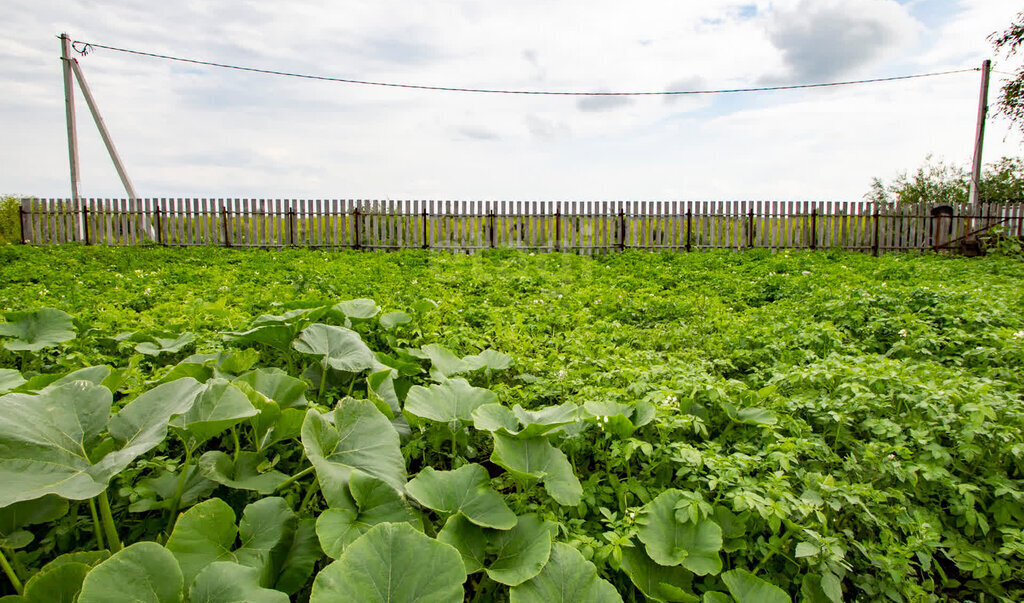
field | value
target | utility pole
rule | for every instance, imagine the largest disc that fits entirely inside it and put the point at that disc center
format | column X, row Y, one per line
column 69, row 110
column 979, row 137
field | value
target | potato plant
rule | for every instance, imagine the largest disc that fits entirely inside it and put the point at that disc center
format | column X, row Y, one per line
column 719, row 427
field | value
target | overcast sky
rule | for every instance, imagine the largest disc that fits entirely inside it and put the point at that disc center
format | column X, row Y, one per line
column 184, row 130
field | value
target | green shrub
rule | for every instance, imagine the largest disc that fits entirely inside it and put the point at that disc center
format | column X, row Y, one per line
column 10, row 221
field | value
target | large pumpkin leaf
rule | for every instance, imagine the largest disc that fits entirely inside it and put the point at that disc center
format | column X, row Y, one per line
column 537, row 458
column 498, row 418
column 371, row 502
column 10, row 379
column 748, row 588
column 451, row 402
column 241, row 474
column 227, row 582
column 657, row 582
column 218, row 407
column 337, row 347
column 144, row 571
column 44, row 441
column 672, row 542
column 567, row 577
column 466, row 490
column 443, row 362
column 392, row 562
column 508, row 556
column 30, row 512
column 33, row 331
column 156, row 345
column 60, row 580
column 202, row 535
column 361, row 438
column 296, row 562
column 519, row 553
column 488, row 359
column 277, row 385
column 360, row 309
column 161, row 491
column 264, row 534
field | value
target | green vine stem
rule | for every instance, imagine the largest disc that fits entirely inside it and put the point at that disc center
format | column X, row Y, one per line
column 113, row 541
column 323, row 383
column 96, row 526
column 291, row 480
column 10, row 573
column 180, row 490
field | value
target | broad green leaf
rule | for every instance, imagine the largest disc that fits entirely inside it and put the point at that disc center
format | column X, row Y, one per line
column 202, row 535
column 142, row 423
column 218, row 407
column 519, row 553
column 655, row 581
column 10, row 379
column 337, row 347
column 500, row 419
column 495, row 417
column 467, row 538
column 30, row 512
column 748, row 588
column 242, row 474
column 371, row 502
column 97, row 375
column 358, row 308
column 430, row 571
column 33, row 331
column 537, row 458
column 199, row 372
column 58, row 585
column 750, row 416
column 361, row 439
column 443, row 360
column 265, row 532
column 466, row 490
column 164, row 488
column 448, row 402
column 144, row 571
column 713, row 596
column 380, row 386
column 277, row 336
column 165, row 345
column 391, row 320
column 277, row 385
column 567, row 577
column 671, row 542
column 488, row 359
column 807, row 549
column 227, row 582
column 16, row 540
column 44, row 439
column 295, row 564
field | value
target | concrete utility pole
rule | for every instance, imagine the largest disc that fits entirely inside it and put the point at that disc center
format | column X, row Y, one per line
column 69, row 111
column 979, row 137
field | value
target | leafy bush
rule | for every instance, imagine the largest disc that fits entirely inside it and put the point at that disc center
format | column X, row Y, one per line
column 10, row 221
column 939, row 182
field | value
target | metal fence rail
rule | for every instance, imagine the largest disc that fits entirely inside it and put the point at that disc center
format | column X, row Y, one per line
column 580, row 227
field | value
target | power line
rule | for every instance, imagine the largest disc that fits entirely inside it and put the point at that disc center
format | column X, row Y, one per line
column 85, row 47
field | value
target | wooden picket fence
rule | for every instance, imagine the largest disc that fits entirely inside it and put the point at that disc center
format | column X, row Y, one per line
column 580, row 227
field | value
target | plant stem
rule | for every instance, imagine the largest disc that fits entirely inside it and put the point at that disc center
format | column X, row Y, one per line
column 96, row 527
column 113, row 542
column 176, row 501
column 238, row 445
column 323, row 383
column 313, row 489
column 291, row 480
column 10, row 573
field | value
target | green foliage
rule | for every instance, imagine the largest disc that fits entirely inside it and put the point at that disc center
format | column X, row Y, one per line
column 10, row 221
column 702, row 428
column 1011, row 96
column 938, row 182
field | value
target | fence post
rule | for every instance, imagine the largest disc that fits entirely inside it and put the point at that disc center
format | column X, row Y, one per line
column 358, row 226
column 814, row 228
column 622, row 230
column 689, row 228
column 85, row 222
column 750, row 229
column 490, row 227
column 558, row 226
column 21, row 220
column 426, row 243
column 874, row 242
column 290, row 223
column 160, row 223
column 225, row 214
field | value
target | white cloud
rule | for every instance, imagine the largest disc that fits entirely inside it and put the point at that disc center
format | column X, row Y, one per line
column 191, row 130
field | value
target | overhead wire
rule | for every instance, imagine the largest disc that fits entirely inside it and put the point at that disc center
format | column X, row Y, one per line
column 84, row 48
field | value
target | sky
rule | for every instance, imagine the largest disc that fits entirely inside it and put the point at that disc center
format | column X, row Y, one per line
column 190, row 131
